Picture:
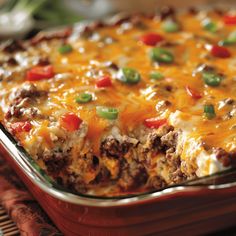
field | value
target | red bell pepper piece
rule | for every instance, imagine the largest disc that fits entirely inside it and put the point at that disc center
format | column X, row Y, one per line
column 40, row 73
column 193, row 93
column 155, row 122
column 70, row 121
column 230, row 20
column 151, row 39
column 219, row 51
column 21, row 126
column 103, row 82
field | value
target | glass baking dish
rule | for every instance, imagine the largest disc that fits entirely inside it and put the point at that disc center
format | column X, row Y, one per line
column 165, row 211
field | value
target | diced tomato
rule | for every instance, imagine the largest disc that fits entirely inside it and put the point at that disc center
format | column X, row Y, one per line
column 21, row 126
column 40, row 73
column 70, row 122
column 151, row 39
column 230, row 19
column 193, row 93
column 103, row 82
column 155, row 122
column 219, row 51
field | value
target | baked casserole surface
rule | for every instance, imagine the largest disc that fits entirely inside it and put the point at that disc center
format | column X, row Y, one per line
column 130, row 106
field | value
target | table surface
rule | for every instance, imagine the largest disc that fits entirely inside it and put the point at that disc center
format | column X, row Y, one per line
column 9, row 228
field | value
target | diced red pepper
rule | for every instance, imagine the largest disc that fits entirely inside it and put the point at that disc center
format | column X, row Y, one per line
column 151, row 39
column 70, row 121
column 193, row 93
column 21, row 126
column 230, row 19
column 155, row 122
column 219, row 51
column 103, row 82
column 40, row 73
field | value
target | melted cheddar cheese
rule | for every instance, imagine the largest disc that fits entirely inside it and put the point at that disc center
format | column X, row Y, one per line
column 170, row 89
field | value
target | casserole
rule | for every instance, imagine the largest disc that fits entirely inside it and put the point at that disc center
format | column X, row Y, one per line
column 196, row 209
column 130, row 196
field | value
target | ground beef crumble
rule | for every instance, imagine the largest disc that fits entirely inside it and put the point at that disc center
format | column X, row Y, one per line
column 111, row 147
column 133, row 174
column 24, row 98
column 156, row 182
column 56, row 161
column 12, row 46
column 28, row 90
column 224, row 157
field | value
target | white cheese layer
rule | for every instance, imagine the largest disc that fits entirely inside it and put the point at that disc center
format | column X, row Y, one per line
column 190, row 146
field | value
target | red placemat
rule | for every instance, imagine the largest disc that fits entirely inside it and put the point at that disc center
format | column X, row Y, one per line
column 21, row 206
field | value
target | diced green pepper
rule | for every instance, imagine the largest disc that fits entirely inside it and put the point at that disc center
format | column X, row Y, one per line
column 155, row 75
column 209, row 111
column 84, row 98
column 210, row 26
column 230, row 40
column 211, row 78
column 129, row 75
column 109, row 113
column 64, row 49
column 161, row 55
column 170, row 26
